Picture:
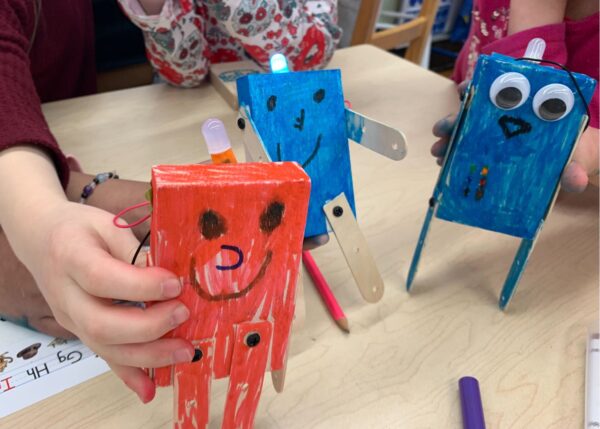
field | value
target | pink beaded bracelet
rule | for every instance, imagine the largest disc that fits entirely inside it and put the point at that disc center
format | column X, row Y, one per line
column 88, row 190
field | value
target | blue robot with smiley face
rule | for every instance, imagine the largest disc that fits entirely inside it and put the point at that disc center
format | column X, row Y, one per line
column 302, row 117
column 515, row 133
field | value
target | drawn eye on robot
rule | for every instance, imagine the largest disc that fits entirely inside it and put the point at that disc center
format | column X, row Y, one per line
column 301, row 117
column 515, row 133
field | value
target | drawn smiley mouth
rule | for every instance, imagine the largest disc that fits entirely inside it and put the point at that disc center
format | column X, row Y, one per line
column 312, row 155
column 227, row 296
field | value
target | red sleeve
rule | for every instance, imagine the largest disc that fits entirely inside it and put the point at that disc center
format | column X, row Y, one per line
column 516, row 44
column 21, row 118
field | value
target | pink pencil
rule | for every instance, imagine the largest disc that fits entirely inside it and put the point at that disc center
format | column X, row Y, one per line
column 328, row 297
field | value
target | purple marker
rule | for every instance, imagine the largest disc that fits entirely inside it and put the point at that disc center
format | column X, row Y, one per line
column 470, row 403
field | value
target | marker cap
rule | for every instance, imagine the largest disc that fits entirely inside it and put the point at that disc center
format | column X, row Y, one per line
column 470, row 402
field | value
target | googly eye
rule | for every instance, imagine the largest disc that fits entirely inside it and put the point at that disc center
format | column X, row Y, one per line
column 509, row 90
column 553, row 102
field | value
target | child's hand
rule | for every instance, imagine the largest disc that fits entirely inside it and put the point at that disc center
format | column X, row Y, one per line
column 443, row 130
column 584, row 165
column 82, row 267
column 80, row 262
column 22, row 302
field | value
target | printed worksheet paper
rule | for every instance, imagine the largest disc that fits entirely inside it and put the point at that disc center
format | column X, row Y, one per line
column 34, row 366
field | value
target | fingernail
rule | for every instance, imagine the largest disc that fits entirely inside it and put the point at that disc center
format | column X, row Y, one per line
column 171, row 288
column 182, row 355
column 180, row 315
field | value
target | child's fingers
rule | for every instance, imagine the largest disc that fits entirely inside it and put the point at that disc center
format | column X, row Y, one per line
column 574, row 178
column 49, row 326
column 438, row 149
column 462, row 87
column 121, row 243
column 155, row 354
column 443, row 127
column 141, row 259
column 137, row 380
column 104, row 323
column 101, row 275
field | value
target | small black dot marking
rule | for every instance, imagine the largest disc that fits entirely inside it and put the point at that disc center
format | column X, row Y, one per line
column 338, row 211
column 431, row 202
column 253, row 339
column 271, row 103
column 319, row 95
column 241, row 123
column 197, row 355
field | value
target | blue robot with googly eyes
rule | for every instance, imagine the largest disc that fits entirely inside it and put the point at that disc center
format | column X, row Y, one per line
column 515, row 133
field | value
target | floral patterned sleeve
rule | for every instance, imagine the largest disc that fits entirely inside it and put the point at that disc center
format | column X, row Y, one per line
column 305, row 31
column 175, row 42
column 188, row 35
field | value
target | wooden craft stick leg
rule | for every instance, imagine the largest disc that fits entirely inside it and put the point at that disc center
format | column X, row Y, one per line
column 516, row 271
column 300, row 310
column 414, row 265
column 162, row 376
column 191, row 388
column 278, row 376
column 355, row 248
column 248, row 364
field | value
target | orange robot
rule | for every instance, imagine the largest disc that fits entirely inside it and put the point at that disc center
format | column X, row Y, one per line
column 233, row 234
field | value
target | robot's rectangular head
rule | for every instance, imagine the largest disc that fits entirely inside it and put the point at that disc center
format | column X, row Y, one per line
column 518, row 127
column 300, row 117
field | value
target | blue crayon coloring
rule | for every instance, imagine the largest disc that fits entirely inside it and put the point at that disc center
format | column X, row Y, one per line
column 301, row 117
column 514, row 135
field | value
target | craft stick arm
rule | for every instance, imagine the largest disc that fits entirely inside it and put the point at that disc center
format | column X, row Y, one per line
column 355, row 248
column 253, row 143
column 374, row 135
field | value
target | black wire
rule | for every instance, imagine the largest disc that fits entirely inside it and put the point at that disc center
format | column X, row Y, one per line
column 587, row 108
column 137, row 252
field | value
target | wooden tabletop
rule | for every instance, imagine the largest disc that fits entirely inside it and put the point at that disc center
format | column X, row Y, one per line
column 399, row 367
